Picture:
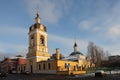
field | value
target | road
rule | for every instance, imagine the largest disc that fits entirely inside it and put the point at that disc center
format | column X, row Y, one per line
column 57, row 77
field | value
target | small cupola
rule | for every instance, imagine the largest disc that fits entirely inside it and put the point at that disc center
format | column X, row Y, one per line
column 76, row 52
column 75, row 47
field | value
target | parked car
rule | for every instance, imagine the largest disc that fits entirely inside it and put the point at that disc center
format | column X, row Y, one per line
column 3, row 74
column 13, row 72
column 100, row 73
column 27, row 72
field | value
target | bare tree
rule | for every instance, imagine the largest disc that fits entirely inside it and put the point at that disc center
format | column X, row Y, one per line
column 95, row 53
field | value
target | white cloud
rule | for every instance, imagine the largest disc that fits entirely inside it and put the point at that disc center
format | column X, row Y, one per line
column 11, row 46
column 3, row 55
column 86, row 25
column 18, row 49
column 116, row 52
column 69, row 42
column 106, row 24
column 49, row 11
column 11, row 39
column 114, row 32
column 96, row 29
column 62, row 40
column 113, row 48
column 13, row 30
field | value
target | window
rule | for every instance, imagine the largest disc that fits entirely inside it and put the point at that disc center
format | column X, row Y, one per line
column 19, row 68
column 65, row 65
column 42, row 49
column 32, row 41
column 31, row 68
column 44, row 66
column 68, row 65
column 39, row 66
column 77, row 65
column 49, row 67
column 24, row 68
column 42, row 40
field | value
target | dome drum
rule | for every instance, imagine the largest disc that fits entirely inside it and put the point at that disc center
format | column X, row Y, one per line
column 37, row 26
column 76, row 53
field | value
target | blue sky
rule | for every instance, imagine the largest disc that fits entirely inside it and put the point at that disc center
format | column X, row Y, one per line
column 86, row 20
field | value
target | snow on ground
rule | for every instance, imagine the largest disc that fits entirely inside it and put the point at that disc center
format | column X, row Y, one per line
column 93, row 74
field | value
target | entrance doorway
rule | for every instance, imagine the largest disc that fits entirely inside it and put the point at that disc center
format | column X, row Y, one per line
column 31, row 68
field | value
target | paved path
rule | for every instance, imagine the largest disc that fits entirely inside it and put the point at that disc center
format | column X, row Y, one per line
column 56, row 77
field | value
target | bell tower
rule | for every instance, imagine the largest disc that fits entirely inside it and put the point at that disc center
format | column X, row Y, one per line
column 38, row 50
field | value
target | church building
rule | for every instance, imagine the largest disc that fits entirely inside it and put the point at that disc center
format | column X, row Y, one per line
column 40, row 61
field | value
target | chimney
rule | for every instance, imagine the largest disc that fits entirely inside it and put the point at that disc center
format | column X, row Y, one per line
column 57, row 53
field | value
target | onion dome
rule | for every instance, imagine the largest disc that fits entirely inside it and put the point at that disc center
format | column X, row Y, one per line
column 37, row 25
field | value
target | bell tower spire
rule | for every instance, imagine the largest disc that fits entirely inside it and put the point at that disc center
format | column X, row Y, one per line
column 37, row 18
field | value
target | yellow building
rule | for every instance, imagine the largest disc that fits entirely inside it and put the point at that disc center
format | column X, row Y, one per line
column 38, row 50
column 60, row 66
column 40, row 61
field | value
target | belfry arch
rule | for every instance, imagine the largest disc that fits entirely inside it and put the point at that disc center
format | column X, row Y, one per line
column 42, row 40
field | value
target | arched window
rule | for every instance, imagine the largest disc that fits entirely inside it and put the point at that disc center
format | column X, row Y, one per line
column 44, row 66
column 49, row 66
column 42, row 40
column 39, row 66
column 32, row 41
